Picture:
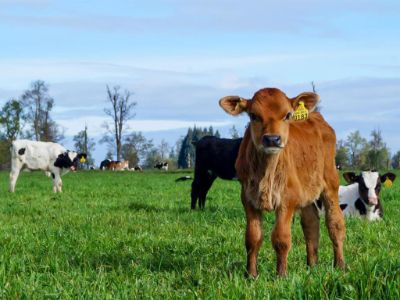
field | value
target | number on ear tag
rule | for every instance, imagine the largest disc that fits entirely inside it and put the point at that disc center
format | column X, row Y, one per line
column 301, row 113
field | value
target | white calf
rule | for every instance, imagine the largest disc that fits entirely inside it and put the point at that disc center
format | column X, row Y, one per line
column 46, row 156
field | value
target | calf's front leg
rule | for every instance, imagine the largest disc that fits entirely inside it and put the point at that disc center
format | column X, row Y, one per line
column 13, row 179
column 254, row 237
column 281, row 238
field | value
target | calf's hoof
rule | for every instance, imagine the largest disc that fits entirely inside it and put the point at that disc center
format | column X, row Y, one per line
column 341, row 265
column 251, row 276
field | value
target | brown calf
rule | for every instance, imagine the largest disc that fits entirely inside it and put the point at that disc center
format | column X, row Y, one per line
column 118, row 165
column 284, row 165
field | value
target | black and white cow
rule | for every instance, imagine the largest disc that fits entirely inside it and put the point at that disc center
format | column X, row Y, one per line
column 215, row 157
column 162, row 166
column 361, row 197
column 104, row 164
column 46, row 156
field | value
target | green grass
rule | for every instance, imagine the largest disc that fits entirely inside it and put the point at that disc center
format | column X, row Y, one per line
column 132, row 235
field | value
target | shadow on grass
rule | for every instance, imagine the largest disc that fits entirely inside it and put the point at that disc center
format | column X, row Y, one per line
column 228, row 212
column 146, row 207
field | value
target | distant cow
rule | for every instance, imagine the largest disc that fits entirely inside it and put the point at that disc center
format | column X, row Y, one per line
column 161, row 166
column 361, row 197
column 46, row 156
column 105, row 164
column 215, row 157
column 137, row 168
column 117, row 165
column 287, row 160
column 121, row 165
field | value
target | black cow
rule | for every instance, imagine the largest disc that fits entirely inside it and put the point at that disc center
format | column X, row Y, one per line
column 215, row 157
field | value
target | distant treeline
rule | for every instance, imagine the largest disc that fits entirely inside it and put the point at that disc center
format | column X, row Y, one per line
column 30, row 116
column 356, row 152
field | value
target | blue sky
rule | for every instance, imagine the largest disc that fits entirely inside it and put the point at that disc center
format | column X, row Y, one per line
column 180, row 57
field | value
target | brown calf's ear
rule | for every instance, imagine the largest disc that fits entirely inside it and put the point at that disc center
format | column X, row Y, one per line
column 389, row 176
column 309, row 99
column 350, row 177
column 233, row 105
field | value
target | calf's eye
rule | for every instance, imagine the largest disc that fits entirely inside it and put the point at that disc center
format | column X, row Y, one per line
column 253, row 117
column 288, row 116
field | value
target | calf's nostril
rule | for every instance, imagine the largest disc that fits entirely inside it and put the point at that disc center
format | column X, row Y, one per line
column 271, row 140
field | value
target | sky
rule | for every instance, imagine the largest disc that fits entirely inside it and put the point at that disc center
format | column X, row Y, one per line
column 179, row 57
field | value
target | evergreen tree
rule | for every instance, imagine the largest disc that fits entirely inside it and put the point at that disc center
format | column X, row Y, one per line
column 187, row 149
column 234, row 133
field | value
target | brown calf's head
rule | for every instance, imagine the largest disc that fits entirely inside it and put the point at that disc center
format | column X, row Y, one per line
column 270, row 112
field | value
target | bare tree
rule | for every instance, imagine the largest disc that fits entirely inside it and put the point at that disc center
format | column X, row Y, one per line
column 38, row 105
column 163, row 149
column 121, row 111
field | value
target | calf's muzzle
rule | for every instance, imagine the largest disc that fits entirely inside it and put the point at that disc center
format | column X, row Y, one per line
column 270, row 140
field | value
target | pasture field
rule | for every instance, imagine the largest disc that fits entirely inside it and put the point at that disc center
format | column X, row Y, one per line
column 127, row 235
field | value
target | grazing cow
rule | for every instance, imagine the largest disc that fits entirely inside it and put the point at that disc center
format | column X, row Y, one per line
column 46, row 156
column 105, row 164
column 122, row 165
column 215, row 157
column 161, row 166
column 136, row 168
column 285, row 164
column 361, row 197
column 117, row 165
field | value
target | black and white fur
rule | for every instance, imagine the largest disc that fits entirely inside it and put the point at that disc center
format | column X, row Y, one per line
column 46, row 156
column 161, row 166
column 361, row 197
column 104, row 164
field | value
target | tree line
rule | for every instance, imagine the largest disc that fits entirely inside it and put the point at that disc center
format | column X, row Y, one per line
column 30, row 116
column 357, row 152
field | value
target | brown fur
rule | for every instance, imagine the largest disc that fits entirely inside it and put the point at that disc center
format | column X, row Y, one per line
column 290, row 178
column 118, row 165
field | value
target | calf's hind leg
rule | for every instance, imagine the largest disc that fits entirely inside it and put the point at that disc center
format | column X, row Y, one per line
column 194, row 193
column 310, row 224
column 207, row 183
column 334, row 221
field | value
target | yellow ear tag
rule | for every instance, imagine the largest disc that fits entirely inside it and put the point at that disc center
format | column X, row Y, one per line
column 82, row 160
column 388, row 183
column 301, row 113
